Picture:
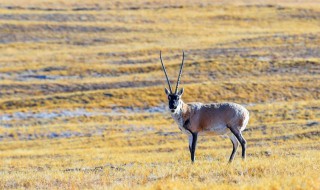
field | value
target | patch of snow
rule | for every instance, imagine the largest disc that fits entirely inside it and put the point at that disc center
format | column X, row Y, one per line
column 79, row 112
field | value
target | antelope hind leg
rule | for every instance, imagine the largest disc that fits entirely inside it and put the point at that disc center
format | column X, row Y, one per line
column 235, row 144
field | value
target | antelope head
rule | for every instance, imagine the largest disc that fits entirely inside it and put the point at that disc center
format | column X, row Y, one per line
column 174, row 98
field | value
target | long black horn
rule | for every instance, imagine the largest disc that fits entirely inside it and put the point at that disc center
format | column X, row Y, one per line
column 165, row 72
column 178, row 81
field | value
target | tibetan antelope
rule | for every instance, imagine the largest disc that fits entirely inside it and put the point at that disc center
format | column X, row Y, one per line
column 215, row 118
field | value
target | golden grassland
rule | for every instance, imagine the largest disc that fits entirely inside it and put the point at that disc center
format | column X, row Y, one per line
column 82, row 102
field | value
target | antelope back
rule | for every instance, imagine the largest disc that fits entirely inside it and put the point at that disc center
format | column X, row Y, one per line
column 208, row 117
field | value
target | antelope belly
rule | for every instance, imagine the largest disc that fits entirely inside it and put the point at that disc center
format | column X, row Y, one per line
column 218, row 129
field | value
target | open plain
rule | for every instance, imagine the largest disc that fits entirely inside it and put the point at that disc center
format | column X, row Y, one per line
column 82, row 102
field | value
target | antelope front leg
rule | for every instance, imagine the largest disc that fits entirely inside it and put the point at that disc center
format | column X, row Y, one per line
column 192, row 144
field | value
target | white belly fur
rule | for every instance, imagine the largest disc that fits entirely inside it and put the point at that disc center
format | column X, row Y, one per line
column 218, row 129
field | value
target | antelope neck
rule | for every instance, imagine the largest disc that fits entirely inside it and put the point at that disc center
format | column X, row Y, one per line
column 183, row 113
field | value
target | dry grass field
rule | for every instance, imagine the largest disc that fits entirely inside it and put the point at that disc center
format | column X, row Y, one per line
column 82, row 102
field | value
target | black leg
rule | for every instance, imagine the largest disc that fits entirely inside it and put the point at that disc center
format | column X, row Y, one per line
column 193, row 146
column 243, row 147
column 240, row 138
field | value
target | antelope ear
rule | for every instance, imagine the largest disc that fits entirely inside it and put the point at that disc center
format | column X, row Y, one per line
column 167, row 91
column 180, row 92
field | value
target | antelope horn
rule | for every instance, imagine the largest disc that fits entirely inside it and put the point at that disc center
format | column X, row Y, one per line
column 165, row 72
column 178, row 81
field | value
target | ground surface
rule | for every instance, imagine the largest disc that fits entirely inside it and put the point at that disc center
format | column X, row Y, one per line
column 82, row 102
